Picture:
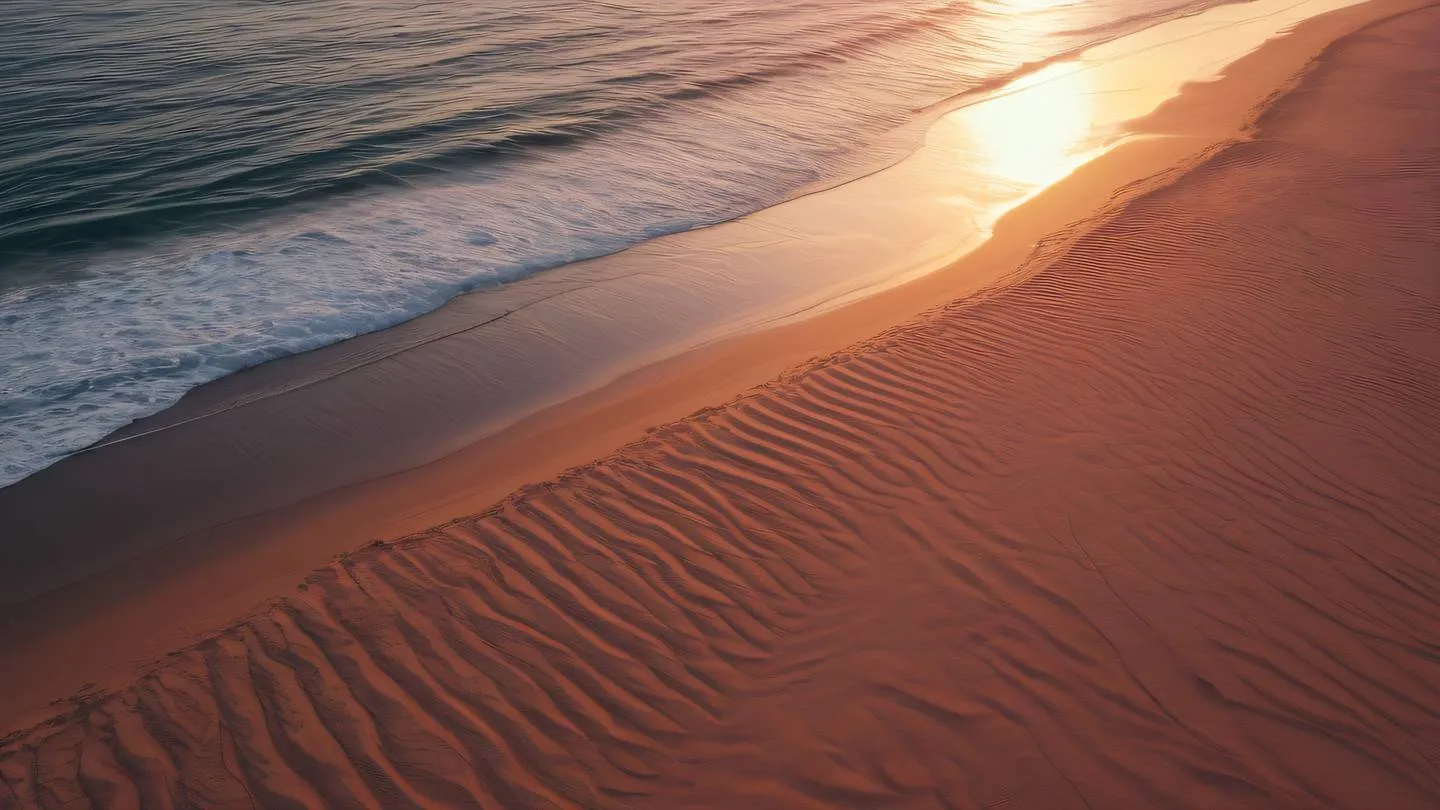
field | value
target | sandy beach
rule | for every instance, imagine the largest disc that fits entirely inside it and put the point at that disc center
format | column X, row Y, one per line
column 1135, row 505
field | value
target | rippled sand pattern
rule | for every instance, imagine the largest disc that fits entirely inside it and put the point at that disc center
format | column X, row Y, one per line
column 1157, row 528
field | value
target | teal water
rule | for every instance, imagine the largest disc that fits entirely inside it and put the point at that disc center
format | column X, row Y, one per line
column 188, row 189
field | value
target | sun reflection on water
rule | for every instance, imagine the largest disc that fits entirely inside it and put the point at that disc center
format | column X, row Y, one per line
column 1036, row 132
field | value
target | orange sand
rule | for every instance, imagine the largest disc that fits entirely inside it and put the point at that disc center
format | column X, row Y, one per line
column 1155, row 528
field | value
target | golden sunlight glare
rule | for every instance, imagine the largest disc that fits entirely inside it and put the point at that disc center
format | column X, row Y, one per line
column 1032, row 135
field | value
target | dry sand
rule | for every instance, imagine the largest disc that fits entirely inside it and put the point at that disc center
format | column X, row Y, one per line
column 1155, row 528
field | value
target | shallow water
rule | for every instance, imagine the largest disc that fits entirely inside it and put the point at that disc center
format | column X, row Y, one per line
column 191, row 189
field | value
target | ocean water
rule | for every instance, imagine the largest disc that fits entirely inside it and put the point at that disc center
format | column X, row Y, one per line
column 191, row 188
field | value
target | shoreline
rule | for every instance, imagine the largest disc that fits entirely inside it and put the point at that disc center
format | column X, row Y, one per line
column 222, row 572
column 883, row 153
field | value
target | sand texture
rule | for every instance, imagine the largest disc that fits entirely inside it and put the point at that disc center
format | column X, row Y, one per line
column 1155, row 528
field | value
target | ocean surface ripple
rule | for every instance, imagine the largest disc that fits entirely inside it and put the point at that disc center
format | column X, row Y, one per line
column 188, row 189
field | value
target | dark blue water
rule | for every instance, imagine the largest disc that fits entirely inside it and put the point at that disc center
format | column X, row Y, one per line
column 188, row 188
column 122, row 120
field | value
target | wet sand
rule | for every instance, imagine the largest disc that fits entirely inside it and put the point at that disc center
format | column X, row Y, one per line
column 1154, row 526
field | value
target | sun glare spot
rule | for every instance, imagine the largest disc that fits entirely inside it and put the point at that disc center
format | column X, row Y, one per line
column 1032, row 135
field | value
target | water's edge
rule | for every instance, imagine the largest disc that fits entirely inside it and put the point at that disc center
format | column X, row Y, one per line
column 86, row 410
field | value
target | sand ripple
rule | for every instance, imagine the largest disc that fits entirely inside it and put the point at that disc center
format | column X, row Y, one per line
column 1156, row 528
